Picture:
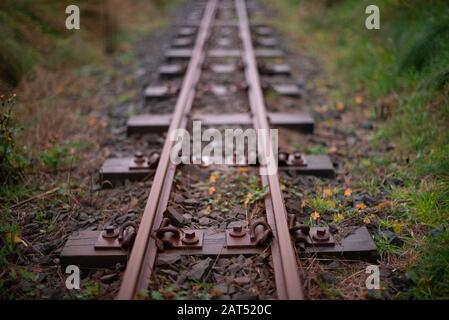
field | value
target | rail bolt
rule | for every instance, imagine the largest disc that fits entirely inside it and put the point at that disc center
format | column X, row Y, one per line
column 237, row 231
column 190, row 238
column 110, row 232
column 321, row 234
column 139, row 158
column 297, row 159
column 282, row 158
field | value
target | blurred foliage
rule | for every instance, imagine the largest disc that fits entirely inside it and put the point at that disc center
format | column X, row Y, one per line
column 33, row 31
column 11, row 159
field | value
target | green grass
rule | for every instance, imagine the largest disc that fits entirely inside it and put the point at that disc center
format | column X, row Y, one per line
column 403, row 66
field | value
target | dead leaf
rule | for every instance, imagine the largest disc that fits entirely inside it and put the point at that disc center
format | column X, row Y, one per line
column 340, row 106
column 91, row 121
column 348, row 192
column 383, row 205
column 315, row 216
column 366, row 220
column 243, row 170
column 327, row 192
column 248, row 198
column 214, row 177
column 212, row 190
column 358, row 100
column 333, row 150
column 360, row 206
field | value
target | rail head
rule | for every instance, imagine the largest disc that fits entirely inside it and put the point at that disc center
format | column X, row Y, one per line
column 288, row 281
column 132, row 275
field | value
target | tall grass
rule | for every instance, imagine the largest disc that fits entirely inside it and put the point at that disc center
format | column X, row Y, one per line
column 404, row 68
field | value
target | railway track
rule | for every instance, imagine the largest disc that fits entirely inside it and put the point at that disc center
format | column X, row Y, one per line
column 220, row 40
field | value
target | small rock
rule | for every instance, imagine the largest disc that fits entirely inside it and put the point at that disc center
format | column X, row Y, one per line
column 121, row 219
column 178, row 198
column 109, row 278
column 46, row 261
column 223, row 262
column 385, row 272
column 187, row 218
column 391, row 237
column 174, row 216
column 234, row 268
column 169, row 272
column 367, row 125
column 437, row 231
column 191, row 201
column 167, row 259
column 202, row 213
column 326, row 277
column 223, row 288
column 242, row 280
column 374, row 295
column 204, row 221
column 350, row 140
column 198, row 270
column 334, row 265
column 245, row 296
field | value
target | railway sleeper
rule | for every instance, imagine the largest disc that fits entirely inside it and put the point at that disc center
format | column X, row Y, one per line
column 160, row 92
column 107, row 248
column 158, row 123
column 187, row 31
column 117, row 170
column 274, row 69
column 178, row 54
column 169, row 71
column 183, row 42
column 266, row 42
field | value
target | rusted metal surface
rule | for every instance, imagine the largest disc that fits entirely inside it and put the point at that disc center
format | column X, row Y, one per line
column 359, row 245
column 214, row 245
column 287, row 278
column 148, row 123
column 116, row 170
column 259, row 234
column 142, row 256
column 80, row 250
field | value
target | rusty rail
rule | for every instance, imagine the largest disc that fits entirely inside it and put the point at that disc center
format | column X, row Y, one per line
column 139, row 263
column 288, row 281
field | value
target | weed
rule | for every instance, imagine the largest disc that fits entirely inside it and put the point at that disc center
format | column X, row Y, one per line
column 12, row 161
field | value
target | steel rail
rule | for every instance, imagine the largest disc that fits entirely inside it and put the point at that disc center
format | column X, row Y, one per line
column 134, row 277
column 287, row 278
